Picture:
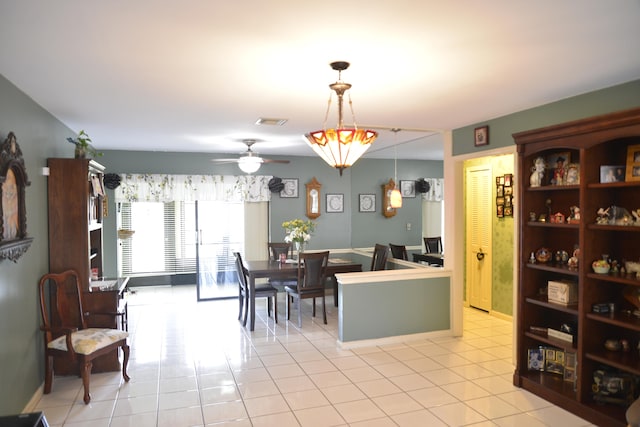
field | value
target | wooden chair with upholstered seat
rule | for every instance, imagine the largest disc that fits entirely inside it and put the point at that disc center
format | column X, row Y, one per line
column 433, row 245
column 379, row 259
column 312, row 274
column 399, row 251
column 66, row 333
column 261, row 291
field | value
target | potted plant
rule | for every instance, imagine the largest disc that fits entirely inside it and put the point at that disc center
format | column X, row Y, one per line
column 83, row 146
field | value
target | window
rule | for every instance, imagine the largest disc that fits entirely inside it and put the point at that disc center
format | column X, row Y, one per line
column 165, row 238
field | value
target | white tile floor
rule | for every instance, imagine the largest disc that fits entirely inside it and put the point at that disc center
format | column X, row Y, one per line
column 193, row 364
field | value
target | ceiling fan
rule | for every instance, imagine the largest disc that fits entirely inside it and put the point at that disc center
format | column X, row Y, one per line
column 250, row 161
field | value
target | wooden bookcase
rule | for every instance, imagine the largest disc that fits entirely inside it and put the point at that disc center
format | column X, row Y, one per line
column 75, row 203
column 75, row 217
column 589, row 143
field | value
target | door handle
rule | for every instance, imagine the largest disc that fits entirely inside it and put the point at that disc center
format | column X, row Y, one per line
column 480, row 255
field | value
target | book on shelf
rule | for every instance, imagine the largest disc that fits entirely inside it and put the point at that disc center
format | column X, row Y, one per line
column 559, row 335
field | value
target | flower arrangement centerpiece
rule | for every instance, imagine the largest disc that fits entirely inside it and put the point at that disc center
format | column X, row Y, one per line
column 298, row 232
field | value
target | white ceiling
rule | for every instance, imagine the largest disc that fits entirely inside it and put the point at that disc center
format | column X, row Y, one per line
column 195, row 75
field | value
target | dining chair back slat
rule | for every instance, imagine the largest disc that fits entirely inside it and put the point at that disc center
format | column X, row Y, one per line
column 379, row 259
column 399, row 251
column 433, row 245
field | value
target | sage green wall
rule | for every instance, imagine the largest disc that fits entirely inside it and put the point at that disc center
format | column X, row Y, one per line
column 39, row 136
column 620, row 97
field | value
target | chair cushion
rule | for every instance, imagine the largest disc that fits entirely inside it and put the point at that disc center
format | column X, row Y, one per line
column 86, row 341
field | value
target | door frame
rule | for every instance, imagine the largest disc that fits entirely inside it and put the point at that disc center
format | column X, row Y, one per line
column 454, row 225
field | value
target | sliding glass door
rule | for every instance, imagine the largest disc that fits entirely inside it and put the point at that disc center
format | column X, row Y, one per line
column 177, row 243
column 219, row 229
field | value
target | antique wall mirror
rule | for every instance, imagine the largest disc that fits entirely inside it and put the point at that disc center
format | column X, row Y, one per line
column 13, row 212
column 387, row 210
column 313, row 198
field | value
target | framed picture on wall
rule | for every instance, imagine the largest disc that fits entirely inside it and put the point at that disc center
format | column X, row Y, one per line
column 367, row 203
column 481, row 136
column 290, row 189
column 408, row 189
column 335, row 203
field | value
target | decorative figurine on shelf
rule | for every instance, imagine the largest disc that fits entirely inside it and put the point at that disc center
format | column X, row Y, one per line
column 603, row 216
column 557, row 218
column 636, row 216
column 533, row 217
column 574, row 216
column 537, row 172
column 559, row 172
column 614, row 215
column 573, row 261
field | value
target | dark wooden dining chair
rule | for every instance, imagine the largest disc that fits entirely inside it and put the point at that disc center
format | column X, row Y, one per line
column 433, row 245
column 261, row 291
column 312, row 274
column 379, row 259
column 275, row 249
column 399, row 251
column 66, row 334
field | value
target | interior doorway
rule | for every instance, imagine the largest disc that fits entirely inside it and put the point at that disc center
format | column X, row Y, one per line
column 478, row 250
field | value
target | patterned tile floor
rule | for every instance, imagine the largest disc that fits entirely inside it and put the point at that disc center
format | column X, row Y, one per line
column 193, row 364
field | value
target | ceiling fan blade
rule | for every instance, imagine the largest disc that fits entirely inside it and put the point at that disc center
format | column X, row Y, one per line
column 222, row 161
column 274, row 161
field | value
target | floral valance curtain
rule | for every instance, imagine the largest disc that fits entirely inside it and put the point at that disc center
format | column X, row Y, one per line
column 166, row 188
column 435, row 193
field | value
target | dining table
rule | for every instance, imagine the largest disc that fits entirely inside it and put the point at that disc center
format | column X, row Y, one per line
column 259, row 269
column 430, row 258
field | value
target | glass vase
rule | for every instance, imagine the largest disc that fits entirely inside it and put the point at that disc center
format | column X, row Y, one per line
column 300, row 246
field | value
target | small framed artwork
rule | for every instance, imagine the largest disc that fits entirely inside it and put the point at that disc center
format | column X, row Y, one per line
column 633, row 163
column 290, row 189
column 611, row 174
column 507, row 201
column 408, row 189
column 481, row 136
column 536, row 359
column 557, row 166
column 367, row 203
column 335, row 203
column 508, row 191
column 500, row 180
column 500, row 211
column 573, row 174
column 508, row 179
column 500, row 191
column 500, row 201
column 508, row 210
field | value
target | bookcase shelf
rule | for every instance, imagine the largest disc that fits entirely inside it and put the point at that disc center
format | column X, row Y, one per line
column 589, row 143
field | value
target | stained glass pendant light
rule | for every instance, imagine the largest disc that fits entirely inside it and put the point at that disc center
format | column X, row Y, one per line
column 340, row 147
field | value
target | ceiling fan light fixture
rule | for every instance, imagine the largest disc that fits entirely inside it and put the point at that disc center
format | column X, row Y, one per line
column 340, row 147
column 249, row 164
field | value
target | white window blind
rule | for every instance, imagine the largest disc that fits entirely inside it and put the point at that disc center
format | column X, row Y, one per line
column 165, row 236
